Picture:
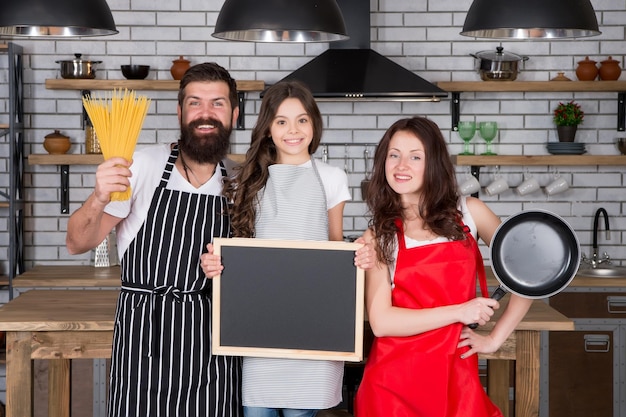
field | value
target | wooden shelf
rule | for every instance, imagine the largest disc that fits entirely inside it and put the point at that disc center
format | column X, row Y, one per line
column 483, row 160
column 154, row 85
column 88, row 159
column 457, row 87
column 534, row 86
column 86, row 85
column 4, row 204
column 65, row 160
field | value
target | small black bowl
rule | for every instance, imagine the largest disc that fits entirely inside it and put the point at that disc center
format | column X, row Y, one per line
column 135, row 72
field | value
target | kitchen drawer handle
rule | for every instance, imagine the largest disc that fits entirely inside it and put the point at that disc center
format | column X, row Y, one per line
column 597, row 343
column 616, row 304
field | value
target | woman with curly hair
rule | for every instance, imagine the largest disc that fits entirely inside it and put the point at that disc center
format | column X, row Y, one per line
column 421, row 294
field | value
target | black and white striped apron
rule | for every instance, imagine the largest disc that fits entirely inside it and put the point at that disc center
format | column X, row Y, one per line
column 161, row 362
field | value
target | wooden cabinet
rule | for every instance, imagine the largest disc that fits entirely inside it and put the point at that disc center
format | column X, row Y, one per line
column 586, row 373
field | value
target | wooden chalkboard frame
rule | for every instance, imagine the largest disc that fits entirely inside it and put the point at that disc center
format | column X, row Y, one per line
column 311, row 288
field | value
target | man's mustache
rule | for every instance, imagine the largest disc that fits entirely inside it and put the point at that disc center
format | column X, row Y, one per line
column 213, row 122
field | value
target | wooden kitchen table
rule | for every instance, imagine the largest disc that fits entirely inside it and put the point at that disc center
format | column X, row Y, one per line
column 57, row 325
column 69, row 276
column 523, row 347
column 60, row 325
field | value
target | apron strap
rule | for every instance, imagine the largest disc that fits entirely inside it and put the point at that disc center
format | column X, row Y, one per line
column 400, row 235
column 154, row 331
column 480, row 266
column 169, row 166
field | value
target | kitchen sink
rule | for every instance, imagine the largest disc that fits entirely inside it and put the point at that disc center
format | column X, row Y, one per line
column 611, row 272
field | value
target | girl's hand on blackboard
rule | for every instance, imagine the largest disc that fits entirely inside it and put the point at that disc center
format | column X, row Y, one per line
column 365, row 256
column 211, row 264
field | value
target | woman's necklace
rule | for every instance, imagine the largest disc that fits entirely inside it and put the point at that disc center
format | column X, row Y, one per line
column 189, row 170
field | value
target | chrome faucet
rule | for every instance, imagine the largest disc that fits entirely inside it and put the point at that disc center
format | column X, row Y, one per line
column 594, row 261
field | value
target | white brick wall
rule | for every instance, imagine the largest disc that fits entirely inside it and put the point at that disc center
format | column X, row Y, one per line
column 421, row 35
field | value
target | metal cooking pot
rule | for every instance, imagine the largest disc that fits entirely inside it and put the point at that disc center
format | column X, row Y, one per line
column 498, row 65
column 534, row 254
column 78, row 68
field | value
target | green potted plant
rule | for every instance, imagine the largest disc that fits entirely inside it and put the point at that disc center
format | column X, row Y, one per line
column 567, row 117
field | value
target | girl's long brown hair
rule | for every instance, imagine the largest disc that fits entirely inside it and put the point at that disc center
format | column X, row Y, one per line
column 253, row 173
column 438, row 204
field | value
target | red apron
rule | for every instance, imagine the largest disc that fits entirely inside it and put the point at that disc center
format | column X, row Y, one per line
column 424, row 375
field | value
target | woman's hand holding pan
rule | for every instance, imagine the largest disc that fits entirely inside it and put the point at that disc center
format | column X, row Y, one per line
column 479, row 310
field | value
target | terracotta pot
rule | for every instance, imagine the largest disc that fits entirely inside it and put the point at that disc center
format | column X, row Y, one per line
column 180, row 66
column 56, row 143
column 609, row 69
column 587, row 70
column 566, row 133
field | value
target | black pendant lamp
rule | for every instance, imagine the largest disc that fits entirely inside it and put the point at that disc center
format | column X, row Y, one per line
column 530, row 19
column 62, row 18
column 281, row 21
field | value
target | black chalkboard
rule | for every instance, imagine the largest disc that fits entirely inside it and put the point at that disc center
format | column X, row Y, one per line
column 290, row 299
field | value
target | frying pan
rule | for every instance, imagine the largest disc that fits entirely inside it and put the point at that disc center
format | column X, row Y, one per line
column 534, row 254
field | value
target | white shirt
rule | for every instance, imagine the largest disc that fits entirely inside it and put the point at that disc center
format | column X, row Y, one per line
column 147, row 168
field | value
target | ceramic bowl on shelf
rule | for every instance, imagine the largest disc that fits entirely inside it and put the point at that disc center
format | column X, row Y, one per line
column 566, row 148
column 135, row 72
column 56, row 143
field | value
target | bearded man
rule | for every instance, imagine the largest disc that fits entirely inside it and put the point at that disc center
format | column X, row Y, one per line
column 162, row 363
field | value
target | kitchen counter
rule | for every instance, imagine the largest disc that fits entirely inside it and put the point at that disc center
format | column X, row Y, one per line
column 54, row 325
column 47, row 276
column 577, row 282
column 60, row 325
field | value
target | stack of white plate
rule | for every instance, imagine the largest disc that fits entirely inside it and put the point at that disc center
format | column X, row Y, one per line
column 566, row 148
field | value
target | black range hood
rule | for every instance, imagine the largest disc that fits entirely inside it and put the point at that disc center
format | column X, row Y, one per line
column 351, row 70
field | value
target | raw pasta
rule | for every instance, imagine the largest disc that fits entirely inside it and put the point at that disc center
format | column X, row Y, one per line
column 117, row 119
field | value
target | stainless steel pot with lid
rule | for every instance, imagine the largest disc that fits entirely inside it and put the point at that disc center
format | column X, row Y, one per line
column 498, row 65
column 78, row 67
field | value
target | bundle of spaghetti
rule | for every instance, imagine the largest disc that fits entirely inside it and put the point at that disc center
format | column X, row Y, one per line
column 117, row 119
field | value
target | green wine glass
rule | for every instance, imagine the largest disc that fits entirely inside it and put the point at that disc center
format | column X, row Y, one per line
column 488, row 131
column 467, row 130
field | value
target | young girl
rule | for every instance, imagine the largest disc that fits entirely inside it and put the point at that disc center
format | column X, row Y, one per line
column 421, row 295
column 281, row 192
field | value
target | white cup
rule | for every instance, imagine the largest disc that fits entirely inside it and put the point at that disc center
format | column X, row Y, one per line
column 497, row 186
column 559, row 185
column 470, row 186
column 530, row 185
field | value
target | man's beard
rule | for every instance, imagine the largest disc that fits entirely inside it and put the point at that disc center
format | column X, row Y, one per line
column 205, row 149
